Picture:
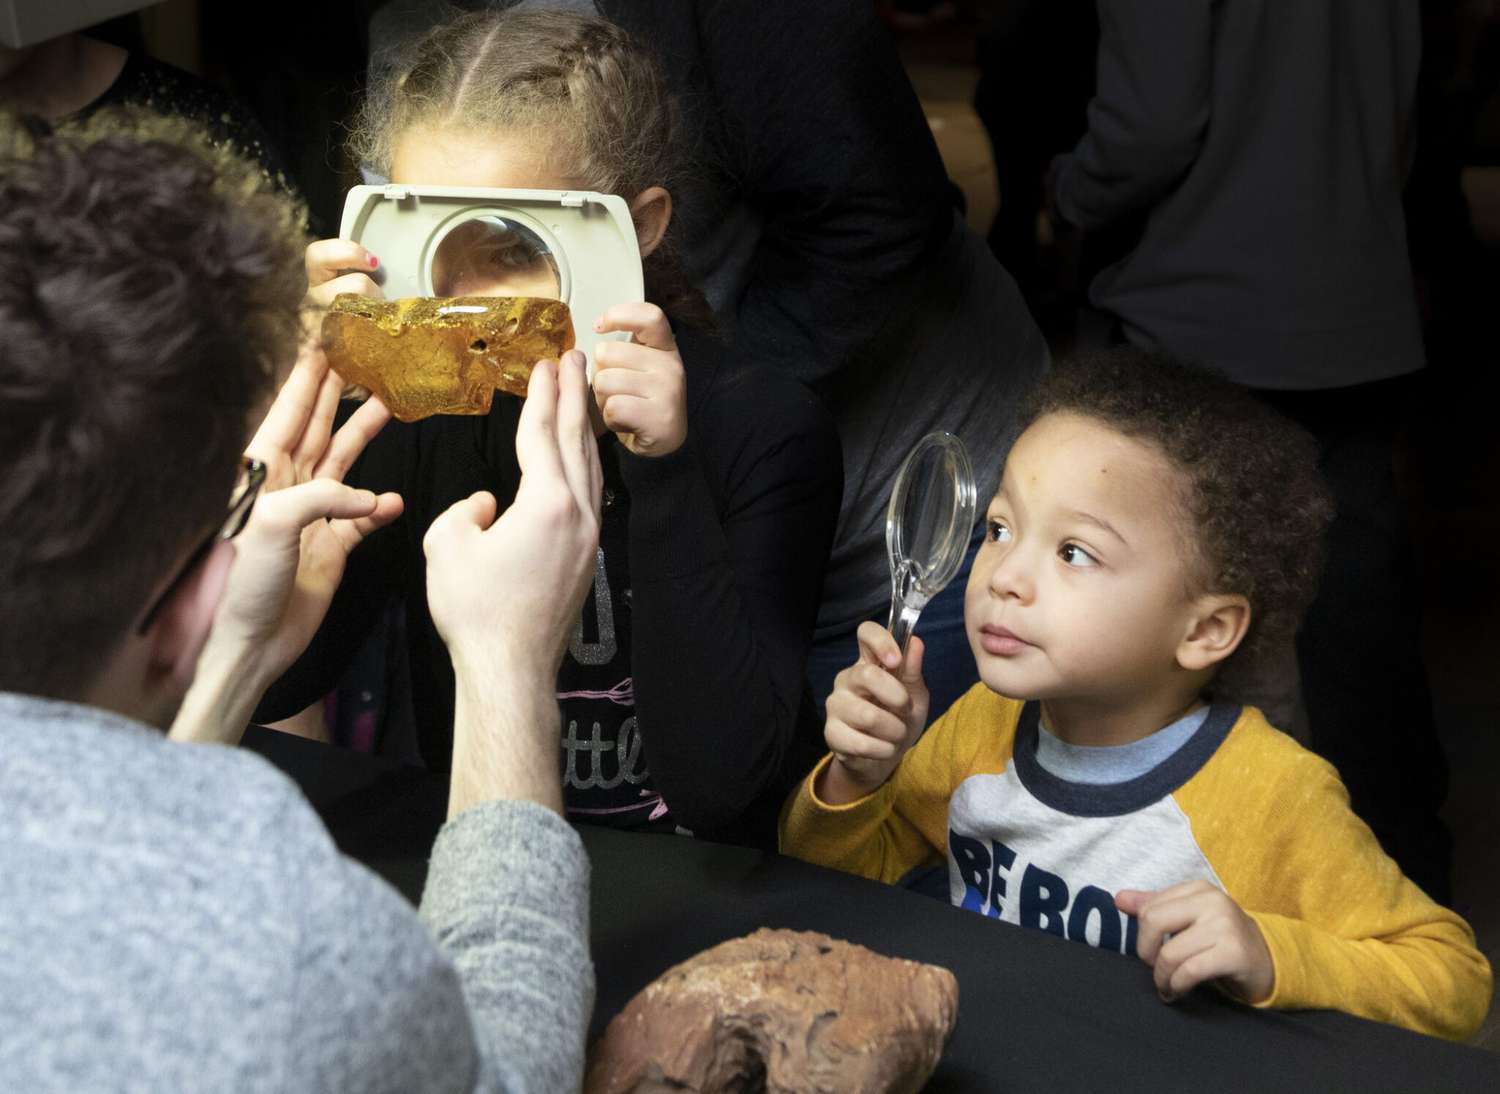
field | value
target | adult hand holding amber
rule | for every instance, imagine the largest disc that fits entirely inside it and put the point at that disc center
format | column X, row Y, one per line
column 640, row 386
column 291, row 556
column 505, row 594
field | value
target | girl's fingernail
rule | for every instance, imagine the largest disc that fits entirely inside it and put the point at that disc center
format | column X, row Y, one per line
column 374, row 262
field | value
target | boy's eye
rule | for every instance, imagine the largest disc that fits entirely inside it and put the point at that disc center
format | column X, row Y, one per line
column 996, row 532
column 1075, row 555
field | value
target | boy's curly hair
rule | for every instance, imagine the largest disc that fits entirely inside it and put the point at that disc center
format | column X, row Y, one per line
column 150, row 283
column 1256, row 505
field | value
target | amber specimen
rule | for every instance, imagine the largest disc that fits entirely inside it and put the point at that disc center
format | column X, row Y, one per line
column 443, row 355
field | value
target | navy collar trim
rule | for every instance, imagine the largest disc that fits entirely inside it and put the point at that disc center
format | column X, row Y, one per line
column 1118, row 799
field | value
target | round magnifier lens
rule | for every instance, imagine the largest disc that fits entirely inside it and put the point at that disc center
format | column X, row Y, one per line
column 492, row 256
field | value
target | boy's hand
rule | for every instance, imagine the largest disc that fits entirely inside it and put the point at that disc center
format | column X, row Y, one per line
column 1195, row 932
column 640, row 386
column 876, row 712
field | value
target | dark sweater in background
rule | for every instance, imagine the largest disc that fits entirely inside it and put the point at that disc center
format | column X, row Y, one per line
column 1261, row 145
column 683, row 697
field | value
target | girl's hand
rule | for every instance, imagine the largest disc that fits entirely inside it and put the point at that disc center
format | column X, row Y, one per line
column 1195, row 932
column 640, row 386
column 324, row 260
column 876, row 713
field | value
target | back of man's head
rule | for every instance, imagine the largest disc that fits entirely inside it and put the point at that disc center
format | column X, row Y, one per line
column 149, row 285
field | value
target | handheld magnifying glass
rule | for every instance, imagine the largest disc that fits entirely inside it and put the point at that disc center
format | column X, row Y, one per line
column 927, row 527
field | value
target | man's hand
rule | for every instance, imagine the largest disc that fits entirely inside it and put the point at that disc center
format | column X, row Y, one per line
column 1194, row 932
column 876, row 713
column 505, row 593
column 291, row 556
column 640, row 386
column 511, row 589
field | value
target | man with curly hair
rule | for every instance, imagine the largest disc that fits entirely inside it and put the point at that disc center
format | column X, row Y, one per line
column 174, row 915
column 1155, row 529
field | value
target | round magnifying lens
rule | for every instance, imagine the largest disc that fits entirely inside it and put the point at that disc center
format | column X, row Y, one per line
column 927, row 526
column 493, row 256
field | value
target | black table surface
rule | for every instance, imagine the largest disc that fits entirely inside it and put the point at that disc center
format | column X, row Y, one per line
column 1035, row 1012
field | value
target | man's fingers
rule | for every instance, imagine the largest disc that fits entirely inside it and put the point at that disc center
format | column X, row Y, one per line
column 351, row 439
column 325, row 258
column 474, row 513
column 646, row 323
column 286, row 420
column 313, row 444
column 575, row 434
column 294, row 508
column 536, row 432
column 351, row 533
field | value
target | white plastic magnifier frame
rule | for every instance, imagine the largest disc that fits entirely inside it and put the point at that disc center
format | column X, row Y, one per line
column 589, row 236
column 926, row 542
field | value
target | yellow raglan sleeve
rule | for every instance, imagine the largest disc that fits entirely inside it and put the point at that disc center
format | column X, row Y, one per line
column 903, row 824
column 1345, row 927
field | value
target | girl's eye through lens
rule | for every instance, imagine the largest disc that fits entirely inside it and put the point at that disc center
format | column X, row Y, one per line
column 491, row 256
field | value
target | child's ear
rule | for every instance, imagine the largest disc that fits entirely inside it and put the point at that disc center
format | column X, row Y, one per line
column 1215, row 630
column 652, row 212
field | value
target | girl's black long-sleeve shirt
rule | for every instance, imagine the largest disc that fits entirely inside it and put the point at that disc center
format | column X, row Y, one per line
column 683, row 692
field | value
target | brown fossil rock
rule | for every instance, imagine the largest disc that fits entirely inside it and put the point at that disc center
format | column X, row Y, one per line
column 781, row 1011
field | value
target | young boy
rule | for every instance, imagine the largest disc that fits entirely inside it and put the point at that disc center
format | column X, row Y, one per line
column 1154, row 529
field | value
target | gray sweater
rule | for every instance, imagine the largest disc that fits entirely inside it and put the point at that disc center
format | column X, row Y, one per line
column 1261, row 147
column 175, row 917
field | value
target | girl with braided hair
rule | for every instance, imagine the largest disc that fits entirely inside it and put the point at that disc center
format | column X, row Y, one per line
column 683, row 693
